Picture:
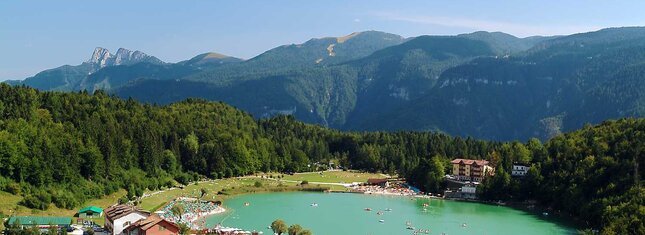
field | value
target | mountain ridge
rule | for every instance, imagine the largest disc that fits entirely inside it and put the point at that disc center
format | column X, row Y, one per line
column 487, row 85
column 103, row 58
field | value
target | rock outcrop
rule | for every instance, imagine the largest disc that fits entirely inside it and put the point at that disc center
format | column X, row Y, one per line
column 103, row 58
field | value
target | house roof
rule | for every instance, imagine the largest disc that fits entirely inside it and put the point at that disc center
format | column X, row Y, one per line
column 40, row 220
column 469, row 162
column 90, row 208
column 376, row 181
column 115, row 212
column 147, row 223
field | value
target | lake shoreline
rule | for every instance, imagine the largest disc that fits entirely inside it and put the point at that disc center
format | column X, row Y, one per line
column 524, row 206
column 295, row 207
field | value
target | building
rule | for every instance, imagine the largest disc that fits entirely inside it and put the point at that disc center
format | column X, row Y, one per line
column 379, row 182
column 40, row 221
column 153, row 225
column 119, row 217
column 90, row 212
column 469, row 191
column 462, row 190
column 471, row 170
column 519, row 170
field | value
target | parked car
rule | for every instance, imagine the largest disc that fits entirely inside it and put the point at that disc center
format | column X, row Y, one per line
column 69, row 229
column 98, row 228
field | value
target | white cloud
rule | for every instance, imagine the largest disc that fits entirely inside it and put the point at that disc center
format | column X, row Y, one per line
column 357, row 20
column 517, row 29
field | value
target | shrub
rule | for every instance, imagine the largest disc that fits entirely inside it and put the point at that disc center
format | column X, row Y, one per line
column 13, row 188
column 183, row 178
column 257, row 184
column 64, row 199
column 304, row 182
column 138, row 191
column 38, row 200
column 3, row 183
column 123, row 200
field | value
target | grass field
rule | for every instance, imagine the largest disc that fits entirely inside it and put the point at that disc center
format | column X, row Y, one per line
column 229, row 187
column 212, row 187
column 333, row 176
column 9, row 206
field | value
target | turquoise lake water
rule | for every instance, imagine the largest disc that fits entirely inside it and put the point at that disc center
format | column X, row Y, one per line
column 344, row 213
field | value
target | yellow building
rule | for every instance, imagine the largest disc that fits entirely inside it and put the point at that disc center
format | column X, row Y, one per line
column 471, row 170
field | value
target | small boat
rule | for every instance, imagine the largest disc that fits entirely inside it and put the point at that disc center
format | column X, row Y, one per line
column 314, row 204
column 464, row 225
column 380, row 213
column 368, row 209
column 388, row 209
column 410, row 228
column 247, row 204
column 382, row 221
column 545, row 213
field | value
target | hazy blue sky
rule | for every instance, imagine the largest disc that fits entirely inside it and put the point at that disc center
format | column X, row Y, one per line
column 37, row 35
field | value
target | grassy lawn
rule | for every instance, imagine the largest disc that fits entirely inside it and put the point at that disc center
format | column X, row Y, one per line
column 236, row 186
column 333, row 177
column 9, row 206
column 233, row 186
column 8, row 202
column 154, row 202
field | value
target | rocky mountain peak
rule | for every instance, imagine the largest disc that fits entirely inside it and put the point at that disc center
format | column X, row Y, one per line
column 122, row 55
column 101, row 57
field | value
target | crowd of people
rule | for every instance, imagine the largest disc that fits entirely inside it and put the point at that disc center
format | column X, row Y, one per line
column 219, row 230
column 392, row 189
column 193, row 209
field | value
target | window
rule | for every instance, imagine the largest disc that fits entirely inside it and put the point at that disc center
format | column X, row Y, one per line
column 126, row 224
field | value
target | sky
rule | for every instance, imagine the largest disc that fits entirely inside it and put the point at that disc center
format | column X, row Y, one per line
column 38, row 35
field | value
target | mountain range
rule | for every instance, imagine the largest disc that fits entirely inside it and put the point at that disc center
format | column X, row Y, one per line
column 487, row 85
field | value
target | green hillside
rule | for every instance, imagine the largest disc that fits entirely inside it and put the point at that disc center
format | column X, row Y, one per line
column 67, row 148
column 485, row 85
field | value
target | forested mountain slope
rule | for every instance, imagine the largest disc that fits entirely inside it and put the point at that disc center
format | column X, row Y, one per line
column 64, row 148
column 68, row 77
column 557, row 86
column 484, row 85
column 329, row 95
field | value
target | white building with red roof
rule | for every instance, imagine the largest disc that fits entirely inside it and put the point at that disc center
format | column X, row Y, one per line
column 471, row 170
column 118, row 217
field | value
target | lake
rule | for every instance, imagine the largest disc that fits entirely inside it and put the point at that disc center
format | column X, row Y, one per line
column 344, row 213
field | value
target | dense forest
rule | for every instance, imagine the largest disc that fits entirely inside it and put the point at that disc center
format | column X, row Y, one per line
column 485, row 85
column 591, row 174
column 64, row 148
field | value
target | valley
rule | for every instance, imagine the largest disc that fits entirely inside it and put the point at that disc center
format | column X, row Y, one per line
column 484, row 85
column 336, row 117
